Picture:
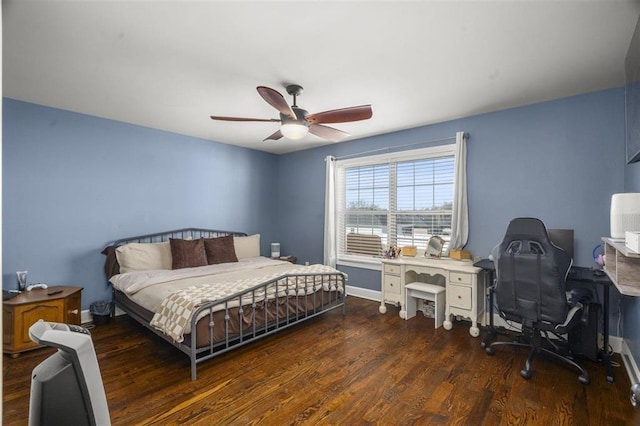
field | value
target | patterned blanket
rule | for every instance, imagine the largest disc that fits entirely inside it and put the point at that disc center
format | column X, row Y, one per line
column 173, row 317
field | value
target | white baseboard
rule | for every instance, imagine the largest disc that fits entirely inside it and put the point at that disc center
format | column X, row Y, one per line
column 364, row 293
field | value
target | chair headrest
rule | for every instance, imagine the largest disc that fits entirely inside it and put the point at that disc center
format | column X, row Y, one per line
column 528, row 235
column 527, row 228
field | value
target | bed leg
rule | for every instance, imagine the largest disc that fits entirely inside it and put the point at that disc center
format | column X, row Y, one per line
column 192, row 348
column 344, row 298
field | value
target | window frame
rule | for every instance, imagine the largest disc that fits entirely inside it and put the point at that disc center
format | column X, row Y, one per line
column 375, row 263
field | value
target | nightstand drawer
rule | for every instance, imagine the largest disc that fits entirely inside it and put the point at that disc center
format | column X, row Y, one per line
column 72, row 310
column 22, row 311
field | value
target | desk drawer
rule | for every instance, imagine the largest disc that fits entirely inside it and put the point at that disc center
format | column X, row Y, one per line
column 392, row 284
column 459, row 296
column 391, row 269
column 460, row 278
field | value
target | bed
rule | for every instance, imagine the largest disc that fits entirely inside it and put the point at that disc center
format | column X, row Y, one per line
column 208, row 291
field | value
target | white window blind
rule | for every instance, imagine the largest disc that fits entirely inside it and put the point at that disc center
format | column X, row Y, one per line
column 399, row 199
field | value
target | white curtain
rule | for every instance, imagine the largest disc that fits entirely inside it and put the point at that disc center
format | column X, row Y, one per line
column 330, row 235
column 460, row 215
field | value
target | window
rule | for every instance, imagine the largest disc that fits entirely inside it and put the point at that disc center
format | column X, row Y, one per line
column 399, row 199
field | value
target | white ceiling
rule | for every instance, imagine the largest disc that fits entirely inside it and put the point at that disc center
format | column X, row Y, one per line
column 169, row 65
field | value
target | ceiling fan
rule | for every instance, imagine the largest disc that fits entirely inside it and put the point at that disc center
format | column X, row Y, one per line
column 297, row 122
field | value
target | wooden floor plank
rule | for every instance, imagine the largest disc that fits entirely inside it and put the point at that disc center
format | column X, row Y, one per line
column 362, row 368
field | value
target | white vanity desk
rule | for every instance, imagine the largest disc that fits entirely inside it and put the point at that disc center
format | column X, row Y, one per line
column 464, row 286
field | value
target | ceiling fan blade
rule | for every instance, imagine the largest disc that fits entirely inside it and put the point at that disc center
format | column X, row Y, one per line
column 276, row 100
column 277, row 135
column 342, row 115
column 218, row 117
column 328, row 133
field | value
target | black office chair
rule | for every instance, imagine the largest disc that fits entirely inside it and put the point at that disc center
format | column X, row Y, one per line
column 530, row 290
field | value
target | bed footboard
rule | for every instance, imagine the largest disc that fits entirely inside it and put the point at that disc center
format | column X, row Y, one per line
column 220, row 326
column 245, row 317
column 242, row 317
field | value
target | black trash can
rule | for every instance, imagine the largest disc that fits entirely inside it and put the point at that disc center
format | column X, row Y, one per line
column 101, row 312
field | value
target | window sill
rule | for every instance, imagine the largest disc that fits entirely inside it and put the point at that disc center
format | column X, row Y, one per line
column 373, row 263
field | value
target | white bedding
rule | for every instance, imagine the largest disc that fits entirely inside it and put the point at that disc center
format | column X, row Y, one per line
column 147, row 290
column 161, row 291
column 173, row 317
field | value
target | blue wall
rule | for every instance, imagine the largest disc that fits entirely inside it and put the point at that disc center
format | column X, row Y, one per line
column 559, row 161
column 72, row 183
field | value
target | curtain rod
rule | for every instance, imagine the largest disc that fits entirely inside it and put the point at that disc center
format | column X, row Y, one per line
column 389, row 148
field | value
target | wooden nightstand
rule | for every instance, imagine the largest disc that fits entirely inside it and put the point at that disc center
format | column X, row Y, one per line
column 19, row 313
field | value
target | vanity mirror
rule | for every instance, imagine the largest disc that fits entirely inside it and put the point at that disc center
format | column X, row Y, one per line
column 434, row 247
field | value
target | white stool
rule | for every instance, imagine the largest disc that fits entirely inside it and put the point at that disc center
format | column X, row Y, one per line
column 424, row 291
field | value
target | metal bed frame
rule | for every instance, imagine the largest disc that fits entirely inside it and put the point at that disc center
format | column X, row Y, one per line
column 321, row 301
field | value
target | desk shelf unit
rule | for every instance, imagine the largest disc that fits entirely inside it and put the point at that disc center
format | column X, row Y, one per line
column 622, row 266
column 464, row 286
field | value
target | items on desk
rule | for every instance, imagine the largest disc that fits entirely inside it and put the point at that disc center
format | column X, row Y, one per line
column 9, row 294
column 598, row 255
column 34, row 286
column 392, row 252
column 459, row 254
column 22, row 279
column 625, row 214
column 409, row 251
column 435, row 245
column 632, row 241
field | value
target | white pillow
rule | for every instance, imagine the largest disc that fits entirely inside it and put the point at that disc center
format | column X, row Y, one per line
column 247, row 246
column 144, row 256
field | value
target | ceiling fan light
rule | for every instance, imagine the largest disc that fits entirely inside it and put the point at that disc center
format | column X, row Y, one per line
column 294, row 131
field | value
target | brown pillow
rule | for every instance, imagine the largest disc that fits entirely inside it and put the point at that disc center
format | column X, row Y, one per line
column 187, row 253
column 111, row 266
column 220, row 250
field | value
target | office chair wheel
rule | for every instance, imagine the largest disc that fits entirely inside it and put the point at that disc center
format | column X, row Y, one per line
column 489, row 350
column 635, row 394
column 584, row 379
column 526, row 374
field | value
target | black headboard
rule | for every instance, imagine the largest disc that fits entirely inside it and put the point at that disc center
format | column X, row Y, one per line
column 159, row 237
column 111, row 266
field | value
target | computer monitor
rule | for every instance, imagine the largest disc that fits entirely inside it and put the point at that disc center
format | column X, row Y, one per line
column 66, row 388
column 562, row 238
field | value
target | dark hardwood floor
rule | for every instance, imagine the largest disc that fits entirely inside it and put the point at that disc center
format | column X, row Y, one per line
column 362, row 368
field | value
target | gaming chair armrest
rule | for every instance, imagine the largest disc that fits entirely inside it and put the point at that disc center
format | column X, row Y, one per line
column 573, row 317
